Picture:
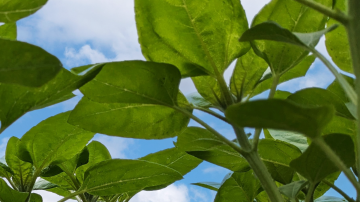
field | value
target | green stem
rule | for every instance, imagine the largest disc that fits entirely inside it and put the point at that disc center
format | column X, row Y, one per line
column 71, row 196
column 114, row 199
column 212, row 113
column 274, row 85
column 32, row 183
column 76, row 184
column 348, row 198
column 256, row 138
column 337, row 15
column 337, row 161
column 353, row 30
column 310, row 194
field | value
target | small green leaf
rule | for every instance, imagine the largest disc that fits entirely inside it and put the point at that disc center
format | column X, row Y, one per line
column 60, row 191
column 5, row 171
column 11, row 11
column 203, row 144
column 197, row 41
column 135, row 82
column 277, row 156
column 198, row 101
column 215, row 186
column 292, row 190
column 60, row 138
column 314, row 97
column 8, row 31
column 314, row 164
column 42, row 184
column 143, row 121
column 25, row 64
column 240, row 187
column 209, row 89
column 121, row 176
column 271, row 113
column 293, row 138
column 9, row 195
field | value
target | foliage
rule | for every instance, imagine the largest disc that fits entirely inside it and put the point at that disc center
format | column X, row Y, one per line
column 310, row 135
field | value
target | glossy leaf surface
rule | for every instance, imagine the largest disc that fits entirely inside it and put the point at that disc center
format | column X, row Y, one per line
column 9, row 195
column 293, row 138
column 11, row 11
column 8, row 31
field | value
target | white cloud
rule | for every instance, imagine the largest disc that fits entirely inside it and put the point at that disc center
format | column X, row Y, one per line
column 3, row 143
column 85, row 55
column 116, row 145
column 172, row 193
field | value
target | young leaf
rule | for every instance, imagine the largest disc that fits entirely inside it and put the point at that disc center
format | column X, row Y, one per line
column 293, row 138
column 337, row 42
column 292, row 190
column 271, row 113
column 52, row 141
column 198, row 101
column 204, row 145
column 9, row 195
column 5, row 171
column 121, row 176
column 21, row 99
column 314, row 164
column 197, row 41
column 215, row 186
column 143, row 121
column 313, row 97
column 282, row 57
column 26, row 64
column 135, row 82
column 277, row 156
column 42, row 184
column 8, row 31
column 240, row 187
column 209, row 89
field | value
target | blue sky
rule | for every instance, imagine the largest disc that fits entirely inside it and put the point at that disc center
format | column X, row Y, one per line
column 83, row 32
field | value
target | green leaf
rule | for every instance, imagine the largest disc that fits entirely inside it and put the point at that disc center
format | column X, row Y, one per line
column 330, row 199
column 280, row 56
column 209, row 89
column 197, row 41
column 215, row 186
column 298, row 71
column 203, row 144
column 143, row 121
column 314, row 97
column 22, row 99
column 337, row 42
column 336, row 88
column 322, row 188
column 198, row 101
column 293, row 138
column 42, row 184
column 60, row 191
column 8, row 31
column 22, row 171
column 240, row 187
column 11, row 11
column 274, row 32
column 120, row 176
column 292, row 190
column 97, row 153
column 280, row 94
column 9, row 195
column 277, row 156
column 249, row 70
column 5, row 171
column 50, row 171
column 135, row 82
column 271, row 113
column 26, row 64
column 314, row 164
column 52, row 141
column 62, row 180
column 341, row 125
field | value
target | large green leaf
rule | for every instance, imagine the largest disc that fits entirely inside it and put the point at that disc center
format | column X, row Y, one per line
column 313, row 97
column 337, row 42
column 22, row 171
column 282, row 115
column 292, row 16
column 277, row 156
column 215, row 186
column 9, row 195
column 144, row 121
column 240, row 187
column 11, row 11
column 8, row 31
column 249, row 69
column 314, row 164
column 25, row 64
column 97, row 153
column 293, row 138
column 195, row 40
column 52, row 141
column 22, row 99
column 135, row 82
column 203, row 144
column 121, row 176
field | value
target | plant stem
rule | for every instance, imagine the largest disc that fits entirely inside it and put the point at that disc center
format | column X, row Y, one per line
column 338, row 190
column 264, row 176
column 212, row 113
column 76, row 184
column 337, row 15
column 274, row 86
column 337, row 161
column 310, row 194
column 71, row 196
column 256, row 138
column 32, row 183
column 353, row 30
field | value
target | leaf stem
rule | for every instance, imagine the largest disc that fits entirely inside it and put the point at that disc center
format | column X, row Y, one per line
column 212, row 113
column 337, row 161
column 256, row 138
column 71, row 196
column 348, row 198
column 310, row 193
column 337, row 15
